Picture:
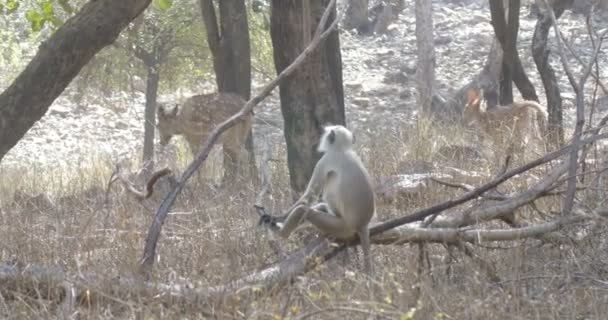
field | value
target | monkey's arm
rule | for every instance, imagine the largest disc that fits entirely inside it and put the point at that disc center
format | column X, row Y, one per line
column 313, row 188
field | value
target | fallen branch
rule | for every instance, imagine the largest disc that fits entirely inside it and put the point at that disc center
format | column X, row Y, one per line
column 409, row 234
column 149, row 188
column 422, row 214
column 165, row 206
column 495, row 210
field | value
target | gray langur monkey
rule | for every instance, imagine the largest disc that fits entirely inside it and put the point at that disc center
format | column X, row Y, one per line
column 348, row 198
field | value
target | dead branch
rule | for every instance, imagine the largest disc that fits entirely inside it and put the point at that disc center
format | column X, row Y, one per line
column 580, row 107
column 149, row 189
column 467, row 187
column 595, row 76
column 161, row 213
column 422, row 214
column 409, row 234
column 495, row 210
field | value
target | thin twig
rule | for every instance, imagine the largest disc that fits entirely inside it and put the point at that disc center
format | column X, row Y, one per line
column 580, row 60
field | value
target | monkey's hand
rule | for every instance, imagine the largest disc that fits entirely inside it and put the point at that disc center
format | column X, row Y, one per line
column 270, row 222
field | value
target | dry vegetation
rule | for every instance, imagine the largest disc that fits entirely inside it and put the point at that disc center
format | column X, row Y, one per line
column 71, row 247
column 211, row 237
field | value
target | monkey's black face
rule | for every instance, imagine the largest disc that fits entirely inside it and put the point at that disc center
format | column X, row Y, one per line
column 332, row 137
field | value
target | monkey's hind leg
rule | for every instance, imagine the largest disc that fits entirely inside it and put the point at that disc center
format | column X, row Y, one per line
column 320, row 216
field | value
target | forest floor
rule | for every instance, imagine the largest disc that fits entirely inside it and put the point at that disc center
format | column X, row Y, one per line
column 211, row 233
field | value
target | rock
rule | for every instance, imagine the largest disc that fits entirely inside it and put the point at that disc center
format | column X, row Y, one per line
column 409, row 68
column 396, row 77
column 442, row 40
column 353, row 85
column 361, row 102
column 60, row 111
column 121, row 125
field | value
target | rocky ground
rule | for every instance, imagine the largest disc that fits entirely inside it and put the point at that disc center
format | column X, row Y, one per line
column 379, row 81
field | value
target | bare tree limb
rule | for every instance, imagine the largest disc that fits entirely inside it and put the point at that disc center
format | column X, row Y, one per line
column 580, row 108
column 161, row 213
column 497, row 209
column 149, row 188
column 580, row 60
column 422, row 214
column 409, row 234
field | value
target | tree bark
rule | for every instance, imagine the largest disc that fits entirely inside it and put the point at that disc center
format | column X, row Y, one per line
column 58, row 61
column 153, row 60
column 540, row 53
column 229, row 42
column 512, row 69
column 425, row 70
column 149, row 119
column 311, row 97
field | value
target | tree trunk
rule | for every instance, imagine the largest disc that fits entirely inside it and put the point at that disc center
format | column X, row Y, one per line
column 149, row 120
column 425, row 70
column 512, row 69
column 229, row 42
column 58, row 61
column 357, row 14
column 540, row 52
column 313, row 96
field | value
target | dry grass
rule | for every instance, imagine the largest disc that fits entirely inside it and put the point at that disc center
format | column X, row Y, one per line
column 212, row 237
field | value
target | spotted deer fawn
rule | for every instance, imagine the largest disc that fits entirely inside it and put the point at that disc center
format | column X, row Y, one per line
column 509, row 128
column 197, row 116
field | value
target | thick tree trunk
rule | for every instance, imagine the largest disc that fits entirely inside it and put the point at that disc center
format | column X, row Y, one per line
column 540, row 52
column 512, row 69
column 149, row 120
column 228, row 39
column 58, row 61
column 313, row 96
column 425, row 70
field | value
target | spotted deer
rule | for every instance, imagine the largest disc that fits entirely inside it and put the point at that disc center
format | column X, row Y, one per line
column 197, row 116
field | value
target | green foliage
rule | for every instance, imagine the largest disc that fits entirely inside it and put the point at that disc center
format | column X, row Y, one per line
column 163, row 4
column 9, row 6
column 45, row 13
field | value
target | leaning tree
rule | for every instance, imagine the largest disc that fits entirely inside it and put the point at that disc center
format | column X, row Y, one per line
column 58, row 61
